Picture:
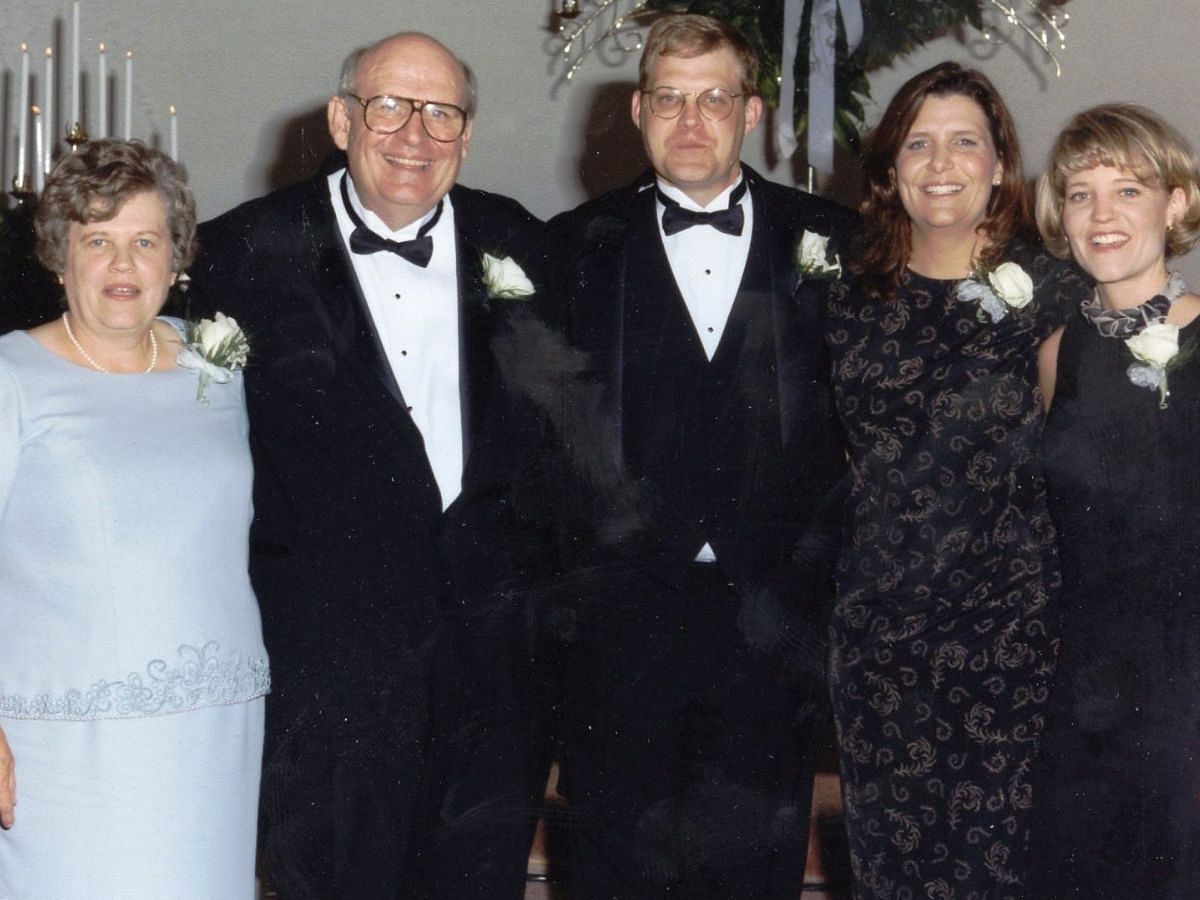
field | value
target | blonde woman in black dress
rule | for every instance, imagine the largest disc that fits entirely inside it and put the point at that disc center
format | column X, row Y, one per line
column 1118, row 795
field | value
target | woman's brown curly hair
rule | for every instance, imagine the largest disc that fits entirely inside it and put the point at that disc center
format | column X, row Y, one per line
column 885, row 243
column 93, row 183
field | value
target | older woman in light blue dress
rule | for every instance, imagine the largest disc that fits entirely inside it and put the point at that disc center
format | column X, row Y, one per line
column 132, row 668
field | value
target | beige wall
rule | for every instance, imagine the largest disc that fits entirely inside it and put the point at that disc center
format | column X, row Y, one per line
column 250, row 78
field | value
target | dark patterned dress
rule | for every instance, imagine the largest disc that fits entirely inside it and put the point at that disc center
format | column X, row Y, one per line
column 1118, row 786
column 942, row 646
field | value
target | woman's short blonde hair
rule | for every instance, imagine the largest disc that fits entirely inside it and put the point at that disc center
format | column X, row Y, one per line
column 1126, row 137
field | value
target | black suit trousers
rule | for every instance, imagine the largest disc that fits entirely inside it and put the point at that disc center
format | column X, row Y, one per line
column 688, row 751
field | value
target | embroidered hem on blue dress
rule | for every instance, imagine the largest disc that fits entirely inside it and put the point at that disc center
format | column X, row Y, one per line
column 203, row 677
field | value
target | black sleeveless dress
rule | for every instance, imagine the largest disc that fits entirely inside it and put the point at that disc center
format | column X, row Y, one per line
column 1118, row 787
column 942, row 647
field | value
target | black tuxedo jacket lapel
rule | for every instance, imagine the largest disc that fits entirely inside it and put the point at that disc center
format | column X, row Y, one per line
column 603, row 279
column 354, row 337
column 476, row 373
column 795, row 306
column 484, row 224
column 804, row 392
column 797, row 320
column 790, row 343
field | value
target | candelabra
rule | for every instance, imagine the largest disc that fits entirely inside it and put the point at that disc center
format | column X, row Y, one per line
column 36, row 147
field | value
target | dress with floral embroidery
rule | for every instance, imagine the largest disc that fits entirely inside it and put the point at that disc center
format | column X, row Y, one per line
column 132, row 665
column 943, row 648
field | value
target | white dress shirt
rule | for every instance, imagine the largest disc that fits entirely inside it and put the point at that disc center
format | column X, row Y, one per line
column 707, row 264
column 415, row 314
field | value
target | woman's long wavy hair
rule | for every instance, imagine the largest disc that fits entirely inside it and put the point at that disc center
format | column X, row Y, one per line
column 885, row 243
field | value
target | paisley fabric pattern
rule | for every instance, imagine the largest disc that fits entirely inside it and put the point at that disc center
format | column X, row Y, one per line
column 942, row 647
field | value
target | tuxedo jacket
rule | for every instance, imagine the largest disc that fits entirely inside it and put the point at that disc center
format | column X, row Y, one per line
column 28, row 293
column 352, row 556
column 749, row 460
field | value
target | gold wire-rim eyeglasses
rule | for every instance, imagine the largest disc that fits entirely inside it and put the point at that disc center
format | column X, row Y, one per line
column 706, row 111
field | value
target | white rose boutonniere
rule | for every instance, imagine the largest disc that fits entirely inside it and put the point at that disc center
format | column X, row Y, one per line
column 214, row 348
column 1156, row 349
column 814, row 259
column 1011, row 284
column 998, row 290
column 505, row 280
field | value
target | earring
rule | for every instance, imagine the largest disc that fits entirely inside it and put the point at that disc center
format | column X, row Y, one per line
column 60, row 280
column 996, row 181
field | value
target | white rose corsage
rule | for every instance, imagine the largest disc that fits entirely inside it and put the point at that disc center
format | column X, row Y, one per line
column 504, row 279
column 214, row 348
column 1156, row 349
column 998, row 290
column 815, row 259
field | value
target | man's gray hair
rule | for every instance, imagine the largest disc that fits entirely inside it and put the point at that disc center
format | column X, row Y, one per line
column 348, row 83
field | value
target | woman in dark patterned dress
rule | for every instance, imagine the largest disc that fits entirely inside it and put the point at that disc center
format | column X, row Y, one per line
column 1118, row 811
column 942, row 645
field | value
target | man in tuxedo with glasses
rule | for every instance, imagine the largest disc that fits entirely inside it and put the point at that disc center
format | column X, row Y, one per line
column 398, row 511
column 702, row 572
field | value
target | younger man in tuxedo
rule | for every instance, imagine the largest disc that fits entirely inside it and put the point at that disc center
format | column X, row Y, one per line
column 397, row 524
column 703, row 568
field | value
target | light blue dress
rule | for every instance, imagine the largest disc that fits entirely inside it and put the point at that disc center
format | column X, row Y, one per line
column 132, row 668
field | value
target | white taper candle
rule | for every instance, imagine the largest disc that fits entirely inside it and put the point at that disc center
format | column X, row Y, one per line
column 128, row 95
column 23, row 117
column 39, row 177
column 48, row 111
column 75, row 99
column 102, row 94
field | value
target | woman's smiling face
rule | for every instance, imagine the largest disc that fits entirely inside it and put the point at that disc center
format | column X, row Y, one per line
column 947, row 166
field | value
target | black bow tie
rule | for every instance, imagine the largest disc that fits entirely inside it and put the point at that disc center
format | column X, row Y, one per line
column 727, row 221
column 417, row 251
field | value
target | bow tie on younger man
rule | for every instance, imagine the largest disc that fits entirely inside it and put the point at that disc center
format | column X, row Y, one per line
column 727, row 221
column 417, row 251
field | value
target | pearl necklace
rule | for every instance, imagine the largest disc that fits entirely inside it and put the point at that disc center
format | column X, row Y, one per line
column 95, row 365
